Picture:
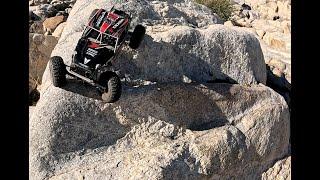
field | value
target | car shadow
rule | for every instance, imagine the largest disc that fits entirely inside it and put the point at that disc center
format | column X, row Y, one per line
column 82, row 88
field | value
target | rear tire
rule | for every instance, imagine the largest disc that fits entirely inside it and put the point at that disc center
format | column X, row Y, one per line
column 113, row 87
column 137, row 36
column 58, row 71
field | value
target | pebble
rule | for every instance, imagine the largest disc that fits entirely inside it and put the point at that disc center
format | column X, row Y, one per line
column 277, row 72
column 68, row 10
column 277, row 63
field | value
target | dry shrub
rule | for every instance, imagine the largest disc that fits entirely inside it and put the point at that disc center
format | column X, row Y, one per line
column 223, row 8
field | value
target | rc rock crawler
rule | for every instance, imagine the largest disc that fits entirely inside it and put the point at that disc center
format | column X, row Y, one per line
column 98, row 46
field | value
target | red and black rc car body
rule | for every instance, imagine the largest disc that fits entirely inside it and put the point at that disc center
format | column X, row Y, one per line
column 99, row 44
column 102, row 38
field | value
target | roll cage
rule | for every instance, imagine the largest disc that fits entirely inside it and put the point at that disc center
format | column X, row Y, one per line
column 103, row 39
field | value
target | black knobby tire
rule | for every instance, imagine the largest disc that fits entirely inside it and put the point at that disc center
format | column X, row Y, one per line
column 112, row 82
column 93, row 13
column 58, row 71
column 137, row 36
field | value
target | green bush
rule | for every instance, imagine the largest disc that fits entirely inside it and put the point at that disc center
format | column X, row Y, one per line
column 223, row 8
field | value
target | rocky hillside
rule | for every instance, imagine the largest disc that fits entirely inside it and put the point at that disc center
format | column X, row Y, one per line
column 195, row 105
column 46, row 22
column 270, row 22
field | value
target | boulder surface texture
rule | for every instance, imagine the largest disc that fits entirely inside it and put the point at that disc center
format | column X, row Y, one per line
column 168, row 129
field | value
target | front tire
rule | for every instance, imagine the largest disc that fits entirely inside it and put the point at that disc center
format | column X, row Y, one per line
column 137, row 36
column 58, row 71
column 113, row 87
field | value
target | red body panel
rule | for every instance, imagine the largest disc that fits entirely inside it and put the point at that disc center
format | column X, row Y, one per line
column 104, row 27
column 93, row 45
column 113, row 16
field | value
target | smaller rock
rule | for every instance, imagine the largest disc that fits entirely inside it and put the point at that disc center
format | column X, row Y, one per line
column 37, row 2
column 274, row 41
column 54, row 1
column 39, row 13
column 68, row 10
column 284, row 9
column 244, row 14
column 277, row 43
column 60, row 6
column 32, row 8
column 277, row 82
column 36, row 27
column 50, row 24
column 45, row 10
column 40, row 48
column 186, row 79
column 58, row 31
column 277, row 72
column 61, row 13
column 242, row 23
column 38, row 39
column 245, row 6
column 277, row 63
column 228, row 23
column 254, row 15
column 43, row 7
column 33, row 16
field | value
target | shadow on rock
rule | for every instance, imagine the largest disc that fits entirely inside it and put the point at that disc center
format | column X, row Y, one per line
column 78, row 123
column 185, row 66
column 82, row 88
column 279, row 84
column 181, row 104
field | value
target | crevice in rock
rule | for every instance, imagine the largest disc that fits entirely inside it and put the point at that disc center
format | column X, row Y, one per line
column 279, row 84
column 227, row 80
column 209, row 125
